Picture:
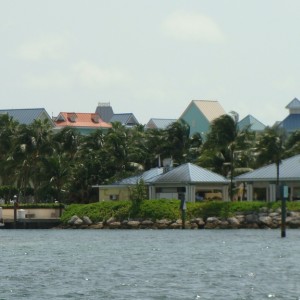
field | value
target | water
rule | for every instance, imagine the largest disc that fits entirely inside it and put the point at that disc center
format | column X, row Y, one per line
column 149, row 264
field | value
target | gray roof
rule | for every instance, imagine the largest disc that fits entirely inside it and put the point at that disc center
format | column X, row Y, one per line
column 105, row 111
column 254, row 124
column 125, row 119
column 160, row 123
column 27, row 115
column 190, row 173
column 147, row 177
column 289, row 170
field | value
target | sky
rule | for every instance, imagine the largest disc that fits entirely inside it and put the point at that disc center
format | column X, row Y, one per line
column 150, row 57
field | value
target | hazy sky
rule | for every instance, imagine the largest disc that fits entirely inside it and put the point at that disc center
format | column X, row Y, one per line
column 150, row 57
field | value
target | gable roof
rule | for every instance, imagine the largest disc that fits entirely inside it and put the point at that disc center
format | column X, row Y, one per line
column 211, row 109
column 252, row 123
column 27, row 115
column 190, row 173
column 291, row 123
column 159, row 123
column 295, row 103
column 289, row 169
column 125, row 119
column 72, row 119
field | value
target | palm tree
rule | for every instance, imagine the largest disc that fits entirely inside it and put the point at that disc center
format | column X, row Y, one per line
column 270, row 149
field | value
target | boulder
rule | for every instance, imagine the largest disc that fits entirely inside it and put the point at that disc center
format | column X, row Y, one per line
column 233, row 222
column 72, row 220
column 212, row 222
column 87, row 221
column 98, row 225
column 133, row 224
column 266, row 221
column 114, row 225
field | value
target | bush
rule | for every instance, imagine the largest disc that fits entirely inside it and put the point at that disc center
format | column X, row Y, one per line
column 166, row 209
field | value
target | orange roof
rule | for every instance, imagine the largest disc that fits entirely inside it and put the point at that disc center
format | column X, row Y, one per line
column 73, row 119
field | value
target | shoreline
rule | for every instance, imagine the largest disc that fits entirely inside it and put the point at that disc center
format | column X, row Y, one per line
column 264, row 219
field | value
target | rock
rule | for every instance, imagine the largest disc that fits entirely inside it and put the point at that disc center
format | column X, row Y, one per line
column 162, row 224
column 87, row 221
column 147, row 224
column 78, row 222
column 111, row 220
column 134, row 224
column 266, row 221
column 97, row 226
column 175, row 225
column 251, row 218
column 223, row 224
column 114, row 225
column 233, row 222
column 211, row 223
column 293, row 222
column 72, row 220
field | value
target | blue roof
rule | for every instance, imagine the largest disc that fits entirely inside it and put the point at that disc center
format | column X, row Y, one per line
column 27, row 115
column 253, row 123
column 190, row 173
column 291, row 122
column 289, row 170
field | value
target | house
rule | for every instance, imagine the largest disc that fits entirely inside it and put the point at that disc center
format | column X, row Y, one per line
column 260, row 184
column 292, row 122
column 27, row 115
column 200, row 113
column 188, row 180
column 121, row 190
column 126, row 119
column 106, row 113
column 85, row 123
column 251, row 123
column 155, row 123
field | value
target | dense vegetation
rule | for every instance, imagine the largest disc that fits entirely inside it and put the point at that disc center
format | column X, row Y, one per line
column 42, row 165
column 165, row 209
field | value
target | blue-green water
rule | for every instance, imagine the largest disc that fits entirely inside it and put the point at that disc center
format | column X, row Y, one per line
column 149, row 264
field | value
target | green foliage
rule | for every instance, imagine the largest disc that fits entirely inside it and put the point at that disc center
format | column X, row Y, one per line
column 159, row 209
column 166, row 209
column 137, row 195
column 100, row 211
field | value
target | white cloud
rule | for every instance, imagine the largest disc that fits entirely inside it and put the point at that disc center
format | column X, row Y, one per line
column 92, row 76
column 189, row 26
column 48, row 47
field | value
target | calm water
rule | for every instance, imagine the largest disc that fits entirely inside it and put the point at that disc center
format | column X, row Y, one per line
column 149, row 264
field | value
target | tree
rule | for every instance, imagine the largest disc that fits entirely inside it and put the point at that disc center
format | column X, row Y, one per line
column 270, row 149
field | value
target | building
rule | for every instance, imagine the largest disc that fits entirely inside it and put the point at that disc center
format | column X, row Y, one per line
column 199, row 115
column 188, row 180
column 106, row 113
column 27, row 115
column 260, row 184
column 85, row 123
column 251, row 123
column 155, row 123
column 292, row 122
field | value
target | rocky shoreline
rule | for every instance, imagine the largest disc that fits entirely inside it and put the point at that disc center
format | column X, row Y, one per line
column 263, row 219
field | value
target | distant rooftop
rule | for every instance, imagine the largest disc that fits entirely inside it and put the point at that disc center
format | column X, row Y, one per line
column 27, row 115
